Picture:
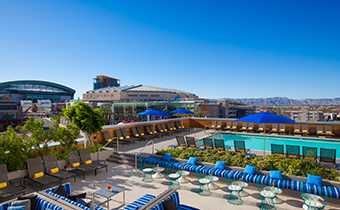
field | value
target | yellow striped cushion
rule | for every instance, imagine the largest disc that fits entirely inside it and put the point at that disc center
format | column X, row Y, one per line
column 3, row 184
column 208, row 147
column 165, row 129
column 328, row 132
column 182, row 145
column 228, row 126
column 88, row 162
column 151, row 133
column 155, row 131
column 192, row 145
column 109, row 140
column 127, row 137
column 220, row 148
column 292, row 156
column 250, row 128
column 304, row 131
column 244, row 127
column 54, row 170
column 261, row 129
column 75, row 165
column 137, row 135
column 38, row 175
column 282, row 129
column 218, row 126
column 234, row 126
column 162, row 131
column 320, row 132
column 274, row 129
column 142, row 134
column 297, row 130
column 121, row 138
column 213, row 126
column 174, row 128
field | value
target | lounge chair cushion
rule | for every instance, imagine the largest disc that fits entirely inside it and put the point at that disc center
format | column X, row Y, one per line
column 25, row 202
column 16, row 208
column 169, row 204
column 54, row 170
column 275, row 174
column 79, row 200
column 74, row 197
column 249, row 169
column 167, row 156
column 60, row 190
column 32, row 197
column 3, row 184
column 220, row 165
column 312, row 179
column 192, row 160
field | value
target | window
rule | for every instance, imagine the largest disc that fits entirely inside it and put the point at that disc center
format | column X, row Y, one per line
column 144, row 95
column 133, row 95
column 154, row 95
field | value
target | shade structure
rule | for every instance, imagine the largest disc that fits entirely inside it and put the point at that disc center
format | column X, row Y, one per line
column 266, row 117
column 182, row 111
column 153, row 112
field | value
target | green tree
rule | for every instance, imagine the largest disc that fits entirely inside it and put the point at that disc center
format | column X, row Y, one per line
column 66, row 135
column 200, row 112
column 13, row 151
column 82, row 115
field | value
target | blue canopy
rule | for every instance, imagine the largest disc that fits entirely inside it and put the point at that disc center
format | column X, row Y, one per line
column 153, row 112
column 266, row 117
column 182, row 111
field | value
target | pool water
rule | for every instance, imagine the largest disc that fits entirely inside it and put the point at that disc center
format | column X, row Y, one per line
column 255, row 142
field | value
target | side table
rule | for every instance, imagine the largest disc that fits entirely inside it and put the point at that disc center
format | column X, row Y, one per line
column 174, row 184
column 108, row 194
column 213, row 179
column 183, row 178
column 147, row 177
column 158, row 171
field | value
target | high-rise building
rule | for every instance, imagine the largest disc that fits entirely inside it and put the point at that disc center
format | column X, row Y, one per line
column 102, row 81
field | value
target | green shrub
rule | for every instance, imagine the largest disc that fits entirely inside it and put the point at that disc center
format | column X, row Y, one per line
column 270, row 162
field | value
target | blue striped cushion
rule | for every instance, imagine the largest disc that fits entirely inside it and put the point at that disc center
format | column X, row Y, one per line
column 5, row 206
column 42, row 205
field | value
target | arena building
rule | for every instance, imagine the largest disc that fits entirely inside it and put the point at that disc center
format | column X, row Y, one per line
column 34, row 90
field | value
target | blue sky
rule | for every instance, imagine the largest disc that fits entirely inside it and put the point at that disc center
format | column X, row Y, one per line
column 215, row 49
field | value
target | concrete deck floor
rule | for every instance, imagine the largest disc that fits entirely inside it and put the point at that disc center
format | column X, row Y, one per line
column 126, row 177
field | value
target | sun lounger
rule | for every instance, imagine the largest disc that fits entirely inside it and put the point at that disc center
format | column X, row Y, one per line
column 212, row 126
column 161, row 130
column 107, row 138
column 141, row 133
column 309, row 153
column 121, row 138
column 166, row 130
column 128, row 137
column 75, row 163
column 52, row 168
column 244, row 126
column 282, row 129
column 208, row 143
column 10, row 189
column 234, row 126
column 137, row 135
column 171, row 127
column 261, row 127
column 297, row 129
column 319, row 130
column 250, row 127
column 277, row 149
column 228, row 126
column 86, row 159
column 240, row 146
column 219, row 125
column 274, row 128
column 328, row 156
column 181, row 141
column 191, row 142
column 153, row 132
column 293, row 151
column 36, row 172
column 305, row 130
column 328, row 131
column 219, row 144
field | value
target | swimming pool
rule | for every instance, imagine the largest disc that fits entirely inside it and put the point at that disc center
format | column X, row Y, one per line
column 255, row 142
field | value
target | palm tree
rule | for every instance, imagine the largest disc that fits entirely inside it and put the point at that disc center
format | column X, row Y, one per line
column 200, row 112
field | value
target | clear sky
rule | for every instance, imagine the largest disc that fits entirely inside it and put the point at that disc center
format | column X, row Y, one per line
column 215, row 49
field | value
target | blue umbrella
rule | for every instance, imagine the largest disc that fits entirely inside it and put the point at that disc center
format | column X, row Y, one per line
column 182, row 111
column 266, row 117
column 153, row 112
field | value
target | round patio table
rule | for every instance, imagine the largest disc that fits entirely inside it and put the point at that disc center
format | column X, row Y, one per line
column 147, row 175
column 235, row 188
column 183, row 178
column 174, row 184
column 213, row 179
column 158, row 171
column 204, row 187
column 312, row 201
column 277, row 191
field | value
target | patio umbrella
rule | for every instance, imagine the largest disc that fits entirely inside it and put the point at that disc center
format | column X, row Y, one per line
column 153, row 112
column 266, row 117
column 182, row 111
column 132, row 121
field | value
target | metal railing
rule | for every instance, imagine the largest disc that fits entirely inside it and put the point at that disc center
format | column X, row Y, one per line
column 103, row 147
column 147, row 144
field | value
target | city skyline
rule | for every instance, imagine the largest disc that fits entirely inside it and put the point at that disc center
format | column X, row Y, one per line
column 216, row 50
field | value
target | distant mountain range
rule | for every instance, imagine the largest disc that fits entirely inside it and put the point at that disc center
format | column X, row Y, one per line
column 285, row 101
